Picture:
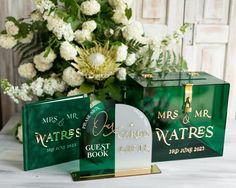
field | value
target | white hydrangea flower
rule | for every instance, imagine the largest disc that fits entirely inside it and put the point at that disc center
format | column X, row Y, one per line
column 122, row 52
column 49, row 58
column 109, row 32
column 61, row 85
column 40, row 65
column 11, row 28
column 48, row 86
column 119, row 17
column 68, row 32
column 131, row 58
column 121, row 74
column 59, row 27
column 97, row 59
column 117, row 4
column 37, row 87
column 74, row 92
column 44, row 5
column 7, row 41
column 89, row 25
column 52, row 21
column 24, row 93
column 113, row 3
column 36, row 16
column 82, row 35
column 15, row 93
column 60, row 4
column 90, row 7
column 72, row 78
column 133, row 31
column 68, row 51
column 52, row 85
column 27, row 70
column 120, row 4
column 27, row 39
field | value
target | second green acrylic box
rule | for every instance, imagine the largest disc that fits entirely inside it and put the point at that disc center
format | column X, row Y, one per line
column 187, row 112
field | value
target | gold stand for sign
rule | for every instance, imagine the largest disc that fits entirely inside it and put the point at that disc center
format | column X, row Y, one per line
column 154, row 169
column 136, row 172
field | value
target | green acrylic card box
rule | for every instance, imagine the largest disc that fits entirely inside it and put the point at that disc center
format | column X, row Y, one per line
column 52, row 131
column 187, row 112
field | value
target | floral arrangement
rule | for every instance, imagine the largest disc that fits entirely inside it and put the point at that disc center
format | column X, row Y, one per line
column 71, row 47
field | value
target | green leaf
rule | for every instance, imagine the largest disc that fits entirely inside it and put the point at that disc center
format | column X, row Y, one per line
column 168, row 56
column 134, row 46
column 60, row 66
column 172, row 63
column 62, row 14
column 72, row 7
column 116, row 43
column 59, row 94
column 11, row 18
column 160, row 59
column 48, row 49
column 87, row 88
column 109, row 81
column 115, row 92
column 88, row 44
column 54, row 1
column 4, row 32
column 75, row 23
column 174, row 57
column 24, row 29
column 101, row 94
column 128, row 13
column 183, row 64
column 39, row 26
column 184, row 28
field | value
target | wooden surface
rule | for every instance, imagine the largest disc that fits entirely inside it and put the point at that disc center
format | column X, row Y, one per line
column 210, row 45
column 214, row 172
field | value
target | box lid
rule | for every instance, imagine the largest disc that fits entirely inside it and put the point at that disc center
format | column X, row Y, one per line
column 160, row 79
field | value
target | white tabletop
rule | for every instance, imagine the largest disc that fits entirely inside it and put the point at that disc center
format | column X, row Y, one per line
column 207, row 172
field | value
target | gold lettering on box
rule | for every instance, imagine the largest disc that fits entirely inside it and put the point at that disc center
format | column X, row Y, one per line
column 174, row 114
column 202, row 113
column 184, row 133
column 168, row 115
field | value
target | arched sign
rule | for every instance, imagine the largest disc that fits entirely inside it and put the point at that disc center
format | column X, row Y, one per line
column 116, row 141
column 133, row 142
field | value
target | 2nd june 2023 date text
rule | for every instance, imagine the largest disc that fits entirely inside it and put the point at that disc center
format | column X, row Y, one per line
column 185, row 150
